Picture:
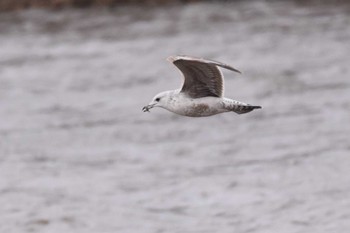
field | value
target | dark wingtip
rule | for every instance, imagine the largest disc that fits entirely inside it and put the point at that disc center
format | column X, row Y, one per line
column 231, row 68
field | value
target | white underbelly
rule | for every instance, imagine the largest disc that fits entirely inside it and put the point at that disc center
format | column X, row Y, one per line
column 200, row 107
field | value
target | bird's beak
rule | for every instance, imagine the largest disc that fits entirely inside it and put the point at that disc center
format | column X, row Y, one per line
column 148, row 107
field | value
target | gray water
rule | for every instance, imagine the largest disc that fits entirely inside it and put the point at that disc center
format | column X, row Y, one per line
column 77, row 154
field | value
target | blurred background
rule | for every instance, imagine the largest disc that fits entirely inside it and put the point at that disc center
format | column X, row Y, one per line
column 77, row 154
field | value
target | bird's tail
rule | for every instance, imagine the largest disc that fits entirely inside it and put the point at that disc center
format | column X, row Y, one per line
column 241, row 109
column 237, row 106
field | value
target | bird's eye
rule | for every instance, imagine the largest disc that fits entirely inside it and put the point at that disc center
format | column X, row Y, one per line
column 157, row 99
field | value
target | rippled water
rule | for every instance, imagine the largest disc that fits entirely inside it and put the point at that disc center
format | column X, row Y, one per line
column 77, row 154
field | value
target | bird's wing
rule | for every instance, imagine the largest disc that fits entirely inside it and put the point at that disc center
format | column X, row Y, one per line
column 201, row 77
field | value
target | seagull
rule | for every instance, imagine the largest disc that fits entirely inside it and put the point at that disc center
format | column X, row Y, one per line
column 202, row 91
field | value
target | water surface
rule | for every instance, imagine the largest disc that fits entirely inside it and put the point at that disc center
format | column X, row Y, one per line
column 78, row 154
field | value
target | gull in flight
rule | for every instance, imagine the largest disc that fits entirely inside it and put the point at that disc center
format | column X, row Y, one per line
column 202, row 90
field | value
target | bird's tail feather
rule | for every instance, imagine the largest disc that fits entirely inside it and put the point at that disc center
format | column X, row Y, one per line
column 241, row 109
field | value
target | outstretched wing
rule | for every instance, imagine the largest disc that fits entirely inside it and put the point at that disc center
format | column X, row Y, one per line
column 201, row 77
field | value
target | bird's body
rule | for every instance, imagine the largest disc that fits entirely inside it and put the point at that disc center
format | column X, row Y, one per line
column 179, row 103
column 202, row 92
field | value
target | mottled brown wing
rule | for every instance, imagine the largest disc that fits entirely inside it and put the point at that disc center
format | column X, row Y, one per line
column 201, row 77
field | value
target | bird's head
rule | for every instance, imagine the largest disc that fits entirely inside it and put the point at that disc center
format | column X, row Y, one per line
column 160, row 100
